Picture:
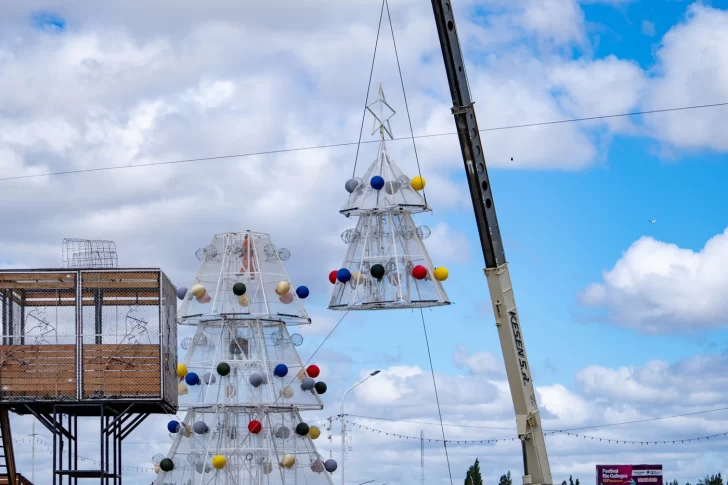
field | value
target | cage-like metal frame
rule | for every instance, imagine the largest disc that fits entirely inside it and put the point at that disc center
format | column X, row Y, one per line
column 85, row 363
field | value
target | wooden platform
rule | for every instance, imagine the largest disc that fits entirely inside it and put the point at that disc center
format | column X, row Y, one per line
column 53, row 288
column 49, row 372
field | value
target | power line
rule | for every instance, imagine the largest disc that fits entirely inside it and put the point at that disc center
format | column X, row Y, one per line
column 346, row 144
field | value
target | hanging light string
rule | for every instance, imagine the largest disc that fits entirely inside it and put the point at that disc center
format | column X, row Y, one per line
column 550, row 433
column 560, row 430
column 48, row 445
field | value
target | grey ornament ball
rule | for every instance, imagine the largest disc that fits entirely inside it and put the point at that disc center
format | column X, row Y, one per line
column 256, row 379
column 391, row 187
column 202, row 466
column 209, row 378
column 181, row 293
column 283, row 432
column 200, row 427
column 308, row 383
column 330, row 465
column 351, row 185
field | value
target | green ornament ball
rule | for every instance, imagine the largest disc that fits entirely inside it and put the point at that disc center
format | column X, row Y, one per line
column 377, row 271
column 239, row 289
column 320, row 387
column 223, row 368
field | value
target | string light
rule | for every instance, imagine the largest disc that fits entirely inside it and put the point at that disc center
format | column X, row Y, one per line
column 551, row 433
column 81, row 458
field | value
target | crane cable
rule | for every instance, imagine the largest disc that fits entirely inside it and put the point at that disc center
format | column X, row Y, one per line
column 369, row 85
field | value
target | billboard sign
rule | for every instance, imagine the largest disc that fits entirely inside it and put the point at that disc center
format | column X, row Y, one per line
column 629, row 475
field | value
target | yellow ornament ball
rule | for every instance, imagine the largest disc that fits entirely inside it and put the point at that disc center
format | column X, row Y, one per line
column 357, row 277
column 283, row 287
column 181, row 370
column 288, row 461
column 219, row 461
column 197, row 290
column 314, row 432
column 243, row 300
column 157, row 468
column 441, row 273
column 418, row 183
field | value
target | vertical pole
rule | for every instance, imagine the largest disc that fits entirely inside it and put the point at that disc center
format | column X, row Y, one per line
column 32, row 469
column 102, row 454
column 75, row 448
column 343, row 443
column 422, row 455
column 331, row 437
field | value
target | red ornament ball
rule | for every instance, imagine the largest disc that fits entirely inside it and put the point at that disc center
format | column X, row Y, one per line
column 255, row 427
column 419, row 272
column 332, row 277
column 313, row 371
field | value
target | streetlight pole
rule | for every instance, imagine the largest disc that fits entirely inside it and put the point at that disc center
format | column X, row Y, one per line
column 343, row 423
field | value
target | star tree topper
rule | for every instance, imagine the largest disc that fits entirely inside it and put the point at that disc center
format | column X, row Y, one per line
column 381, row 123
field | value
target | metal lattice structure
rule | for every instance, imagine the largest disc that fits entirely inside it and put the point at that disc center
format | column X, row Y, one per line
column 386, row 265
column 88, row 343
column 87, row 254
column 243, row 424
column 250, row 258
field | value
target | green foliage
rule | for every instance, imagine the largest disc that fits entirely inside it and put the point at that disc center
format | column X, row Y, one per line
column 505, row 479
column 473, row 476
column 571, row 481
column 711, row 480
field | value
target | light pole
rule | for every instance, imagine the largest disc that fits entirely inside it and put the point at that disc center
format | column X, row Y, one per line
column 343, row 423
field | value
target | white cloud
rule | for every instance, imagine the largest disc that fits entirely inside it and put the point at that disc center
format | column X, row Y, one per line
column 659, row 287
column 691, row 70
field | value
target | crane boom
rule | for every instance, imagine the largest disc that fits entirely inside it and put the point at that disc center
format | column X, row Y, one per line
column 535, row 459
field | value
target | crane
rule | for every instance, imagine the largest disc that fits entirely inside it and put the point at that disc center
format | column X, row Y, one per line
column 536, row 469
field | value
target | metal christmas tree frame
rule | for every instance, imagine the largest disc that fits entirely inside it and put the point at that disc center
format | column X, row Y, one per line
column 386, row 265
column 242, row 381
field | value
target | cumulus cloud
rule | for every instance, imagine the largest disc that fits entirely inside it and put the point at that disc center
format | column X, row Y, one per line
column 477, row 406
column 691, row 70
column 659, row 287
column 601, row 395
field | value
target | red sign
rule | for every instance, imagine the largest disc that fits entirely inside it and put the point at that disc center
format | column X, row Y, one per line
column 629, row 475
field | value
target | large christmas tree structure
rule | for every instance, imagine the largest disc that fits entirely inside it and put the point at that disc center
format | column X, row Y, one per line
column 242, row 381
column 386, row 265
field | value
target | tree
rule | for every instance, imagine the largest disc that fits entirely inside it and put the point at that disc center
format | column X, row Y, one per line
column 473, row 476
column 571, row 481
column 505, row 479
column 711, row 480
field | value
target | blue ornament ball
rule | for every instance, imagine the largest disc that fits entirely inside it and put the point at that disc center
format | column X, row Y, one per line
column 181, row 293
column 377, row 182
column 192, row 379
column 302, row 292
column 343, row 275
column 173, row 426
column 281, row 370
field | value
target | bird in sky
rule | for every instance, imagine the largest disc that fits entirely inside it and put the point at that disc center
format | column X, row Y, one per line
column 652, row 221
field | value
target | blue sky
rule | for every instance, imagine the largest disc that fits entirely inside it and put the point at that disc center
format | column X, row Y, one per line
column 563, row 228
column 119, row 84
